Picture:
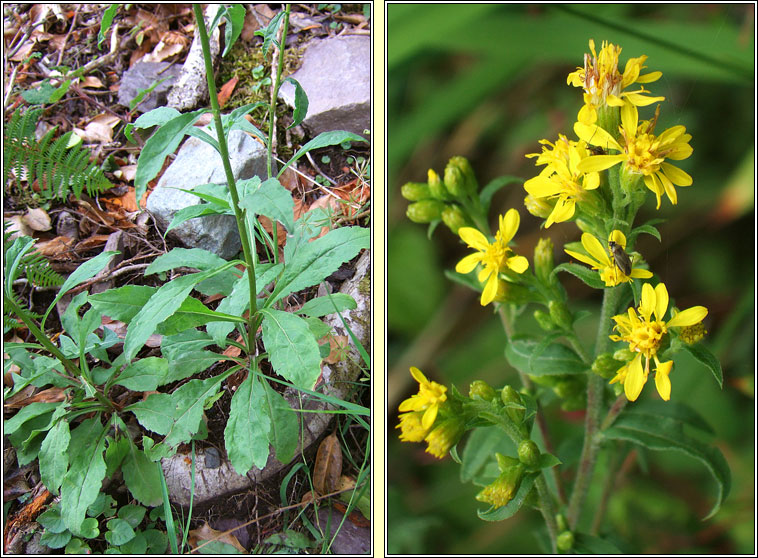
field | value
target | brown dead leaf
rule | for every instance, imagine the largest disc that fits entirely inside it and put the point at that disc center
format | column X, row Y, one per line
column 92, row 81
column 37, row 219
column 281, row 232
column 17, row 227
column 171, row 43
column 91, row 242
column 226, row 91
column 24, row 398
column 289, row 179
column 307, row 498
column 207, row 533
column 59, row 248
column 338, row 345
column 328, row 466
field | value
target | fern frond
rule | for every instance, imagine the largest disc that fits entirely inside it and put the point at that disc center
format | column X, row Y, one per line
column 58, row 168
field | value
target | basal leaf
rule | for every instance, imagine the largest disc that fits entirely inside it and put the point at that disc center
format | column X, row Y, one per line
column 53, row 456
column 142, row 477
column 285, row 426
column 145, row 374
column 122, row 303
column 246, row 432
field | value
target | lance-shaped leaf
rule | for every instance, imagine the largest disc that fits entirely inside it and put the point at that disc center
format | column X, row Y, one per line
column 666, row 433
column 142, row 476
column 271, row 199
column 246, row 432
column 284, row 433
column 292, row 349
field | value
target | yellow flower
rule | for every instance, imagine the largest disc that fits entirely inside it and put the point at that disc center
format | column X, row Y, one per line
column 419, row 411
column 641, row 151
column 599, row 259
column 603, row 84
column 644, row 333
column 561, row 180
column 444, row 436
column 495, row 257
column 504, row 487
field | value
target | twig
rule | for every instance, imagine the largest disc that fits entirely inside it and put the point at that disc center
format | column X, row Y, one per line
column 65, row 39
column 318, row 170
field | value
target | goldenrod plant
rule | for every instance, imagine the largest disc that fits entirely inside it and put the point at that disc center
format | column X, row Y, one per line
column 598, row 182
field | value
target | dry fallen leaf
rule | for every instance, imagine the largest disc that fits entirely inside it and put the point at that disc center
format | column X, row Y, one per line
column 226, row 91
column 338, row 346
column 37, row 219
column 206, row 533
column 92, row 81
column 58, row 248
column 328, row 466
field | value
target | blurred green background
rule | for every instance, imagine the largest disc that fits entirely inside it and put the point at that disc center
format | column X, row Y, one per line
column 487, row 82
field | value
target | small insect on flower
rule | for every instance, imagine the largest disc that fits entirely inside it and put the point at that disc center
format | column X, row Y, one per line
column 596, row 150
column 620, row 257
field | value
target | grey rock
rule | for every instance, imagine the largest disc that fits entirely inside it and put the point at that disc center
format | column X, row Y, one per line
column 349, row 538
column 140, row 77
column 336, row 76
column 198, row 163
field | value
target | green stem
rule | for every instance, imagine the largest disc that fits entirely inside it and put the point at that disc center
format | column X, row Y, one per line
column 547, row 510
column 595, row 387
column 238, row 214
column 275, row 94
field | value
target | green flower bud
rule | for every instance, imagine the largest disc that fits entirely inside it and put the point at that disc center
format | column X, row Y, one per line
column 437, row 187
column 502, row 490
column 511, row 397
column 479, row 389
column 560, row 521
column 568, row 387
column 425, row 211
column 565, row 541
column 459, row 177
column 606, row 366
column 560, row 314
column 415, row 191
column 454, row 217
column 538, row 206
column 529, row 453
column 505, row 462
column 544, row 320
column 624, row 355
column 543, row 260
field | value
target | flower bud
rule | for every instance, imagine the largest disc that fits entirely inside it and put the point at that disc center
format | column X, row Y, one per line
column 511, row 397
column 454, row 217
column 543, row 260
column 502, row 490
column 537, row 206
column 544, row 320
column 415, row 191
column 606, row 366
column 560, row 314
column 459, row 177
column 446, row 433
column 565, row 541
column 479, row 389
column 425, row 211
column 437, row 187
column 623, row 355
column 529, row 453
column 560, row 521
column 692, row 334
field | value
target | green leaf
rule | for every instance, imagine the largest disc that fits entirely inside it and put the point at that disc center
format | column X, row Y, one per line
column 55, row 540
column 324, row 139
column 87, row 270
column 166, row 300
column 478, row 465
column 185, row 257
column 301, row 103
column 292, row 349
column 156, row 117
column 119, row 532
column 235, row 16
column 142, row 477
column 270, row 199
column 647, row 229
column 706, row 357
column 269, row 32
column 589, row 277
column 322, row 305
column 510, row 509
column 193, row 212
column 664, row 433
column 27, row 413
column 555, row 359
column 587, row 544
column 673, row 409
column 145, row 374
column 314, row 261
column 547, row 461
column 142, row 93
column 193, row 313
column 156, row 413
column 53, row 456
column 485, row 196
column 246, row 432
column 122, row 303
column 285, row 426
column 108, row 16
column 159, row 146
column 82, row 483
